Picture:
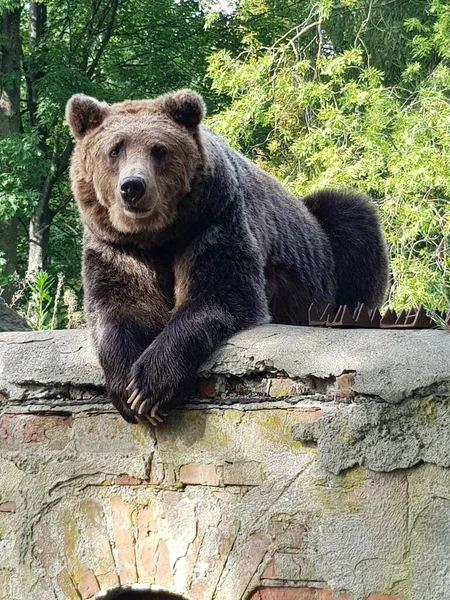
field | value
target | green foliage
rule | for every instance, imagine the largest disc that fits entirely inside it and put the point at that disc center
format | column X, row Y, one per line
column 39, row 294
column 22, row 166
column 46, row 302
column 328, row 118
column 439, row 321
column 9, row 5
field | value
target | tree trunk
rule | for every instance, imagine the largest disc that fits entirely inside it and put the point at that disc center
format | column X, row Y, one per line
column 39, row 228
column 42, row 217
column 38, row 18
column 8, row 248
column 41, row 220
column 39, row 231
column 9, row 120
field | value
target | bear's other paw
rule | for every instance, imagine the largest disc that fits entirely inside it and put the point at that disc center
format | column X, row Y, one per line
column 117, row 394
column 151, row 388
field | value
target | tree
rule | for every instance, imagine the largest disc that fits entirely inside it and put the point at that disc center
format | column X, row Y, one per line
column 39, row 63
column 9, row 126
column 314, row 106
column 111, row 49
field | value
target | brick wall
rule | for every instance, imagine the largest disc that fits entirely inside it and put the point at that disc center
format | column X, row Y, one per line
column 303, row 470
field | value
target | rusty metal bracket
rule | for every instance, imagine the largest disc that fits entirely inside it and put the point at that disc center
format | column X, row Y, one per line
column 364, row 317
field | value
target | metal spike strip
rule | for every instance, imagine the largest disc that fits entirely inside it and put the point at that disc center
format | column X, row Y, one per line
column 362, row 316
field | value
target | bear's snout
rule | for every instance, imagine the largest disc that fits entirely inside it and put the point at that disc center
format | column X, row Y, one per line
column 132, row 189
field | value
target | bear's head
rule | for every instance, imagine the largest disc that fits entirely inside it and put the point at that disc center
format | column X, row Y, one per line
column 134, row 160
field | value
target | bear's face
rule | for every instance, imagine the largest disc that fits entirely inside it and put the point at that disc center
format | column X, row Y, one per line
column 134, row 160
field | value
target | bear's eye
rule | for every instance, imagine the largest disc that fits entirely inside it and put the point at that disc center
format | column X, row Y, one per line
column 115, row 151
column 158, row 152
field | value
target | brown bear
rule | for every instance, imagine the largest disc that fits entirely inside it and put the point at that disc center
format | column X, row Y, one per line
column 187, row 242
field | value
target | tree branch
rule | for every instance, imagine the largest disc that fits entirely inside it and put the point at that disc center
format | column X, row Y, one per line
column 63, row 160
column 105, row 40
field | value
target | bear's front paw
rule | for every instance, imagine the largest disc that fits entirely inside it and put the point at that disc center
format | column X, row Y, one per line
column 117, row 394
column 149, row 389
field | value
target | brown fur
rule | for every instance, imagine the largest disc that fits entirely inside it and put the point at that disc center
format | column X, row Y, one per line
column 183, row 276
column 208, row 246
column 139, row 127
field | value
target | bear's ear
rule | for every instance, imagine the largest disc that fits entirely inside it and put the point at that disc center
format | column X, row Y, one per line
column 84, row 113
column 184, row 106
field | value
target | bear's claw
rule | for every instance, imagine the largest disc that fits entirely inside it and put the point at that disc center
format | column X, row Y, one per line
column 142, row 407
column 136, row 402
column 157, row 414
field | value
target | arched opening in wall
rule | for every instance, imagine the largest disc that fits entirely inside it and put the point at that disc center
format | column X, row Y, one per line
column 138, row 594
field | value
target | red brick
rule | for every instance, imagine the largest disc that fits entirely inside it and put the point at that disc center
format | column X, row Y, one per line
column 146, row 544
column 66, row 585
column 330, row 595
column 185, row 568
column 199, row 589
column 124, row 479
column 203, row 587
column 289, row 534
column 286, row 594
column 309, row 414
column 96, row 542
column 169, row 475
column 156, row 473
column 342, row 388
column 254, row 549
column 270, row 571
column 345, row 383
column 283, row 593
column 29, row 429
column 197, row 474
column 242, row 473
column 383, row 597
column 171, row 498
column 146, row 520
column 107, row 580
column 88, row 584
column 124, row 542
column 8, row 507
column 163, row 568
column 281, row 387
column 206, row 388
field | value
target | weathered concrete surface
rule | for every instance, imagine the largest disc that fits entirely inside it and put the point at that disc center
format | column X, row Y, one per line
column 308, row 468
column 46, row 364
column 381, row 436
column 10, row 320
column 383, row 395
column 389, row 365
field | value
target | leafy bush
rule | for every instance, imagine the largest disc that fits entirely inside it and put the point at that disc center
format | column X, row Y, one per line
column 325, row 118
column 46, row 303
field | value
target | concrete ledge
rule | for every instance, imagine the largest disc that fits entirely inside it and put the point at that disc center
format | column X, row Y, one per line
column 389, row 365
column 382, row 396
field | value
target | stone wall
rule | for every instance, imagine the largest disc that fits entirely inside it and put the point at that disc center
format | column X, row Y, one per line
column 312, row 465
column 10, row 320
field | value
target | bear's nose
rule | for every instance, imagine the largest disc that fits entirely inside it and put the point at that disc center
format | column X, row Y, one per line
column 132, row 189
